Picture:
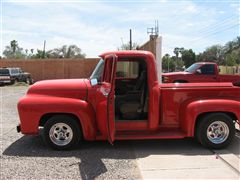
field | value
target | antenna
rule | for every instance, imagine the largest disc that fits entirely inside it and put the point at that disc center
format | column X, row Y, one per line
column 130, row 42
column 153, row 30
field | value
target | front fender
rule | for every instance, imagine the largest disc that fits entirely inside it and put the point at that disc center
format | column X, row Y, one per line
column 191, row 110
column 32, row 108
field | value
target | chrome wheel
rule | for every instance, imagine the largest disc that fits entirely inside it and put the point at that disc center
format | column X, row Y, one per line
column 61, row 134
column 217, row 132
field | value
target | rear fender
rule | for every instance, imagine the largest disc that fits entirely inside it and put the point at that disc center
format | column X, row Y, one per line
column 31, row 109
column 190, row 111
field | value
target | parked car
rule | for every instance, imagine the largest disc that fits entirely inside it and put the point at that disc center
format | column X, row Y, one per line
column 17, row 75
column 4, row 76
column 200, row 72
column 130, row 107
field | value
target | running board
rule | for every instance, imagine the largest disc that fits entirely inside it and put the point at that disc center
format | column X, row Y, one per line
column 128, row 135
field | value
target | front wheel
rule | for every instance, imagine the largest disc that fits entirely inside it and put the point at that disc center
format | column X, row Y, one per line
column 28, row 80
column 62, row 132
column 216, row 130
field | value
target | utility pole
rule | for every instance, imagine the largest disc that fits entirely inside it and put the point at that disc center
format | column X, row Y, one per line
column 44, row 47
column 130, row 42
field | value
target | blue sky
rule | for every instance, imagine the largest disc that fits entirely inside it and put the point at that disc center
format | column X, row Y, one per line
column 98, row 26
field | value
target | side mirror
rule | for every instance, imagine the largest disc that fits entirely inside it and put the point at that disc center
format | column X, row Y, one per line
column 198, row 71
column 94, row 82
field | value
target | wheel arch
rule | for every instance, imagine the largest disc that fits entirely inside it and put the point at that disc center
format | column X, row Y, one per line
column 88, row 135
column 47, row 116
column 202, row 115
column 192, row 112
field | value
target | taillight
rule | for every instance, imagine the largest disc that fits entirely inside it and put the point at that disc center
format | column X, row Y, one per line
column 166, row 79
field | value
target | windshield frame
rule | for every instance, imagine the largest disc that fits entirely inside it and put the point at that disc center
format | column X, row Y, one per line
column 98, row 71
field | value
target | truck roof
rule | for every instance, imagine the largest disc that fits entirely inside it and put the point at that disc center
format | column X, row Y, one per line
column 205, row 63
column 128, row 53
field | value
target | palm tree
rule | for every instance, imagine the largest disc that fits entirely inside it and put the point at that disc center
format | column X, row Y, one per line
column 14, row 46
column 176, row 51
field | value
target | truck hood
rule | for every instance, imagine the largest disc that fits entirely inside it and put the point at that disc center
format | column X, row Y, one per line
column 175, row 73
column 26, row 73
column 68, row 88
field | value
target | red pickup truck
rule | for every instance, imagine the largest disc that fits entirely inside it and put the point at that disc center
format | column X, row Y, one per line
column 122, row 100
column 200, row 72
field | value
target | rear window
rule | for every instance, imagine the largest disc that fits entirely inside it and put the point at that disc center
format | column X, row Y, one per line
column 127, row 69
column 4, row 72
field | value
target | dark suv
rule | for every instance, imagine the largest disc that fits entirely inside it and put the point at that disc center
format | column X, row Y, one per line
column 4, row 77
column 17, row 75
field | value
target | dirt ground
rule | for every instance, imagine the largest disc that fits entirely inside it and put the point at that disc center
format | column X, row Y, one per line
column 27, row 157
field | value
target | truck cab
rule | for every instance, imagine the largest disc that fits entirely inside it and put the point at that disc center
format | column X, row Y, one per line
column 122, row 100
column 200, row 72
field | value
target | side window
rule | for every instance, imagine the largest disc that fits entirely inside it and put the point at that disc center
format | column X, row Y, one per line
column 127, row 69
column 17, row 71
column 208, row 69
column 14, row 71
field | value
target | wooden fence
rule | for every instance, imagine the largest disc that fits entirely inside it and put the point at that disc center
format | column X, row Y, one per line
column 54, row 68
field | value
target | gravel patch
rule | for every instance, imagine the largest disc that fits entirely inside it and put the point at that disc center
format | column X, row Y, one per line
column 27, row 157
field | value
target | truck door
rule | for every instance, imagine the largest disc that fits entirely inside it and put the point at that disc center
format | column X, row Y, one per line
column 205, row 73
column 111, row 63
column 106, row 93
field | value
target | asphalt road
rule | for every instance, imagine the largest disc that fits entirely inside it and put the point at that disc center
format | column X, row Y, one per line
column 27, row 157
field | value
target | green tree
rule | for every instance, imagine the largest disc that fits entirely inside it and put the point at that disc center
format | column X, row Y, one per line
column 38, row 55
column 233, row 58
column 65, row 51
column 13, row 51
column 177, row 51
column 127, row 46
column 167, row 63
column 188, row 57
column 213, row 53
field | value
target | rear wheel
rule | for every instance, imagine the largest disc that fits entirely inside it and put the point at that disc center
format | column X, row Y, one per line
column 216, row 130
column 62, row 132
column 14, row 81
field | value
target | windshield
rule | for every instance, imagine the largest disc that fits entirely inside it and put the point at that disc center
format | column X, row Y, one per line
column 98, row 71
column 192, row 68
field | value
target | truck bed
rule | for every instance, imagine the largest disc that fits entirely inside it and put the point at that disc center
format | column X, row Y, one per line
column 173, row 96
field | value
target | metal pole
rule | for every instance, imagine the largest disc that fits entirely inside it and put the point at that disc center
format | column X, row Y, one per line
column 168, row 64
column 159, row 57
column 44, row 46
column 130, row 43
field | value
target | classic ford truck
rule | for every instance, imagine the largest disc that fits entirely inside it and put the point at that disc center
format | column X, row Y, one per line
column 200, row 72
column 122, row 100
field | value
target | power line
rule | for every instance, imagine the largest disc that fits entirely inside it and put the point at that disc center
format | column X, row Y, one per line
column 214, row 33
column 224, row 21
column 217, row 28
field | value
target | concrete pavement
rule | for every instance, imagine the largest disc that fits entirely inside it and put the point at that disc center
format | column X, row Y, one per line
column 185, row 159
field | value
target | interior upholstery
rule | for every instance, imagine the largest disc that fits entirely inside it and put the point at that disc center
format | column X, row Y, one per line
column 133, row 104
